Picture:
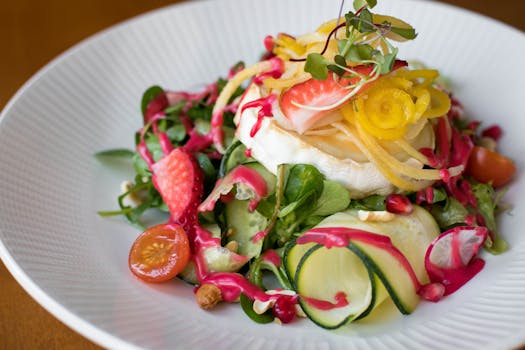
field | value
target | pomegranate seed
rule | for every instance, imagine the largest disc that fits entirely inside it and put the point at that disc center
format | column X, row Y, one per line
column 494, row 132
column 432, row 292
column 445, row 175
column 268, row 43
column 398, row 204
column 284, row 308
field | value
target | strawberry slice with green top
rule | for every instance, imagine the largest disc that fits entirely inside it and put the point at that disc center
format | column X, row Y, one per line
column 305, row 103
column 179, row 180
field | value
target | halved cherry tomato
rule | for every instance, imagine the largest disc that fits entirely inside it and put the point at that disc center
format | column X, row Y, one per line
column 159, row 253
column 485, row 166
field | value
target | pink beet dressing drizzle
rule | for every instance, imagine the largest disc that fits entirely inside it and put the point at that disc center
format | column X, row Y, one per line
column 272, row 257
column 265, row 104
column 342, row 236
column 230, row 284
column 275, row 71
column 340, row 301
column 259, row 236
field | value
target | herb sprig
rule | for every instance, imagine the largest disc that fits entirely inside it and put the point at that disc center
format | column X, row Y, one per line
column 356, row 48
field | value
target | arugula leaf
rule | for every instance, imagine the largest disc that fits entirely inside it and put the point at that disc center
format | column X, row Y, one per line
column 487, row 202
column 116, row 153
column 149, row 95
column 316, row 66
column 451, row 214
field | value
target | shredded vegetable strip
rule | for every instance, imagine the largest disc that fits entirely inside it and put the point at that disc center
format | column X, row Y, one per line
column 411, row 151
column 399, row 167
column 396, row 180
column 227, row 93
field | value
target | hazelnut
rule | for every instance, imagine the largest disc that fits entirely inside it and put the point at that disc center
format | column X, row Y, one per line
column 208, row 295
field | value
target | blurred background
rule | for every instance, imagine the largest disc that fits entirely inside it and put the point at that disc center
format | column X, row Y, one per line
column 34, row 32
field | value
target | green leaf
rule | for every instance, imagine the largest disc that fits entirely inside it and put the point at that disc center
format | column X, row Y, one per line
column 176, row 133
column 302, row 179
column 407, row 33
column 451, row 214
column 484, row 194
column 374, row 202
column 438, row 195
column 333, row 199
column 149, row 95
column 316, row 66
column 247, row 307
column 336, row 69
column 388, row 62
column 340, row 60
column 358, row 53
column 116, row 153
column 202, row 126
column 486, row 205
column 360, row 3
column 141, row 167
column 266, row 206
column 363, row 23
column 176, row 108
column 296, row 204
column 210, row 173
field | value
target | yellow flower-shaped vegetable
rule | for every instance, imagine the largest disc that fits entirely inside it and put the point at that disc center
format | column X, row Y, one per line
column 394, row 102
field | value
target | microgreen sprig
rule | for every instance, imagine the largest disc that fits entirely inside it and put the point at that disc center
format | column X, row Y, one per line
column 355, row 47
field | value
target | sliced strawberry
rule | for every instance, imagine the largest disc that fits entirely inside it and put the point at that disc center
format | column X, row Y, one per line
column 314, row 93
column 179, row 180
column 318, row 93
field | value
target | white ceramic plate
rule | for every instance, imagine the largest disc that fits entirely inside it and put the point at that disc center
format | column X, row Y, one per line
column 75, row 263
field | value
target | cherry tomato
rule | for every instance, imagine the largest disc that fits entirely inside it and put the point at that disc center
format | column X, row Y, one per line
column 485, row 165
column 159, row 253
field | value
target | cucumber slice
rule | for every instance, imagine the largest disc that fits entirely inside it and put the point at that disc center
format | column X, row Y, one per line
column 322, row 274
column 244, row 226
column 368, row 270
column 235, row 155
column 411, row 234
column 270, row 178
column 396, row 279
column 292, row 256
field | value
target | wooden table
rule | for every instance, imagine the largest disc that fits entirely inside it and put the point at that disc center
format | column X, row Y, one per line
column 32, row 33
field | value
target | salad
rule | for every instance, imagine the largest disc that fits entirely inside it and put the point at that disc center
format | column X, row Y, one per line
column 323, row 181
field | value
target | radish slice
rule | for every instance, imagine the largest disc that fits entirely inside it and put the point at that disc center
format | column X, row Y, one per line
column 452, row 258
column 250, row 184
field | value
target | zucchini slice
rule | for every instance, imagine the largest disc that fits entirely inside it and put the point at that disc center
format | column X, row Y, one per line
column 235, row 155
column 386, row 261
column 324, row 274
column 244, row 226
column 411, row 234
